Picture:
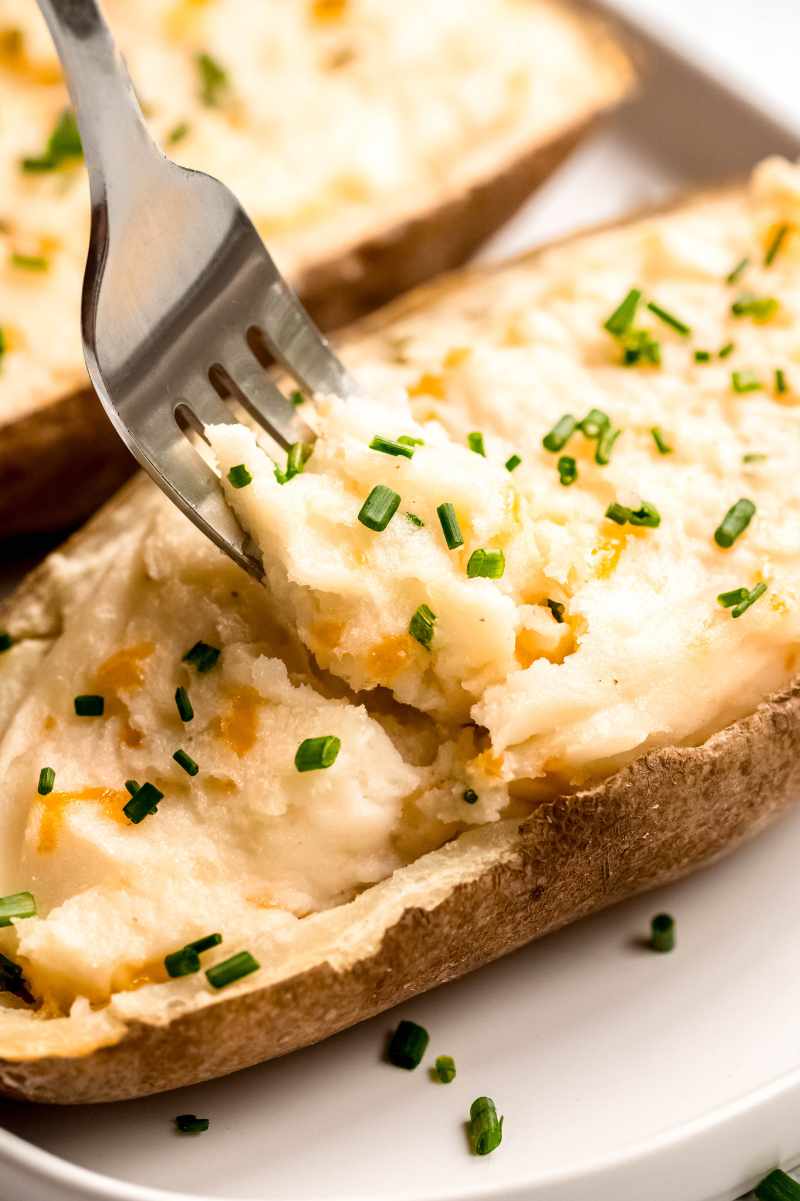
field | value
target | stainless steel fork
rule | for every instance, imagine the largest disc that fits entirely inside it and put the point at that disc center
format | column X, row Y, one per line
column 181, row 300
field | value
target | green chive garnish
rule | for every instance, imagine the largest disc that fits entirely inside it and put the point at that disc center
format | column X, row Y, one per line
column 379, row 508
column 184, row 962
column 387, row 447
column 421, row 626
column 745, row 381
column 213, row 79
column 737, row 272
column 513, row 463
column 445, row 1068
column 47, row 778
column 89, row 706
column 63, row 145
column 760, row 308
column 231, row 970
column 178, row 133
column 605, row 445
column 754, row 457
column 296, row 398
column 664, row 447
column 407, row 1045
column 639, row 346
column 560, row 434
column 475, row 443
column 189, row 1123
column 674, row 322
column 183, row 704
column 205, row 943
column 12, row 979
column 18, row 905
column 487, row 564
column 734, row 523
column 6, row 641
column 407, row 440
column 775, row 245
column 557, row 609
column 485, row 1130
column 778, row 1187
column 202, row 656
column 470, row 796
column 143, row 802
column 734, row 597
column 749, row 599
column 662, row 932
column 316, row 753
column 781, row 385
column 567, row 470
column 702, row 356
column 417, row 521
column 623, row 317
column 450, row 527
column 725, row 351
column 186, row 762
column 132, row 786
column 297, row 456
column 594, row 423
column 646, row 515
column 239, row 476
column 29, row 262
column 618, row 513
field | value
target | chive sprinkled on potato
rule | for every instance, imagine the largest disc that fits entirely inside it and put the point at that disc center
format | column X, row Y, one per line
column 776, row 244
column 488, row 564
column 12, row 980
column 594, row 423
column 387, row 446
column 476, row 444
column 664, row 447
column 702, row 356
column 670, row 319
column 734, row 523
column 47, row 778
column 781, row 386
column 422, row 625
column 143, row 803
column 745, row 381
column 178, row 133
column 17, row 906
column 89, row 705
column 646, row 515
column 297, row 456
column 63, row 147
column 407, row 1045
column 662, row 932
column 738, row 271
column 513, row 463
column 739, row 600
column 29, row 262
column 560, row 434
column 231, row 970
column 186, row 762
column 726, row 351
column 759, row 308
column 470, row 796
column 183, row 704
column 567, row 470
column 414, row 520
column 450, row 527
column 6, row 641
column 213, row 80
column 314, row 754
column 639, row 346
column 624, row 315
column 379, row 508
column 239, row 476
column 485, row 1129
column 184, row 962
column 605, row 445
column 202, row 656
column 557, row 609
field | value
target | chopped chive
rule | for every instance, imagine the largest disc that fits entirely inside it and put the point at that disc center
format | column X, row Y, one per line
column 485, row 1130
column 734, row 523
column 754, row 457
column 189, row 1123
column 231, row 970
column 662, row 932
column 777, row 1186
column 618, row 513
column 205, row 943
column 379, row 508
column 29, row 262
column 557, row 609
column 738, row 271
column 470, row 796
column 567, row 470
column 445, row 1068
column 17, row 906
column 646, row 515
column 745, row 381
column 734, row 597
column 184, row 962
column 213, row 79
column 725, row 351
column 12, row 980
column 183, row 704
column 178, row 133
column 560, row 434
column 387, row 447
column 6, row 641
column 775, row 244
column 421, row 626
column 749, row 600
column 407, row 1045
column 760, row 308
column 132, row 786
column 417, row 521
column 513, row 463
column 594, row 423
column 313, row 754
column 296, row 398
column 664, row 447
column 702, row 356
column 487, row 564
column 202, row 656
column 407, row 440
column 450, row 527
column 639, row 346
column 623, row 317
column 186, row 762
column 63, row 144
column 47, row 778
column 89, row 706
column 239, row 476
column 674, row 322
column 297, row 456
column 605, row 445
column 781, row 385
column 475, row 443
column 143, row 802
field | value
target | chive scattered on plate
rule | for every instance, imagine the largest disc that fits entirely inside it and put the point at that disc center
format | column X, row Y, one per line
column 662, row 932
column 189, row 1123
column 445, row 1068
column 407, row 1045
column 485, row 1129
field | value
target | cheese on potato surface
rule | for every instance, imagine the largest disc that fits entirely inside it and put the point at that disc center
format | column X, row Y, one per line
column 327, row 119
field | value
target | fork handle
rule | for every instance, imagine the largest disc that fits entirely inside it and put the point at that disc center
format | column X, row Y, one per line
column 115, row 140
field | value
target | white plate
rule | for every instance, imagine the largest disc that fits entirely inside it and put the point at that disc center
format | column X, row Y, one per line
column 623, row 1075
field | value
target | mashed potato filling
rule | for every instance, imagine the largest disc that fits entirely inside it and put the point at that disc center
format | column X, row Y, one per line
column 596, row 641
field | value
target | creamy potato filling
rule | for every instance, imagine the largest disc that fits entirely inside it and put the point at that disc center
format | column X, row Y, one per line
column 326, row 119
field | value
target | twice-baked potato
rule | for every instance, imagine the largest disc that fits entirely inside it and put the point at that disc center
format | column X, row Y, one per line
column 403, row 757
column 372, row 143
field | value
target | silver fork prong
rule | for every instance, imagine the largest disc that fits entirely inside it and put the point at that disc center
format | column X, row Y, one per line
column 299, row 347
column 244, row 379
column 207, row 407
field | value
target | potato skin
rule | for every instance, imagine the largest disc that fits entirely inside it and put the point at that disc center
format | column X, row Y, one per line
column 80, row 460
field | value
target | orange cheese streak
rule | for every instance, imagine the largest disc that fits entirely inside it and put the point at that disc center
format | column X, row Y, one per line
column 123, row 671
column 238, row 725
column 52, row 807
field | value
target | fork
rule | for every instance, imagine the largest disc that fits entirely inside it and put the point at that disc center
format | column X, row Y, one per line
column 182, row 304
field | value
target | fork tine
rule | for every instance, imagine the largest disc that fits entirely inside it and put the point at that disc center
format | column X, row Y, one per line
column 208, row 408
column 243, row 377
